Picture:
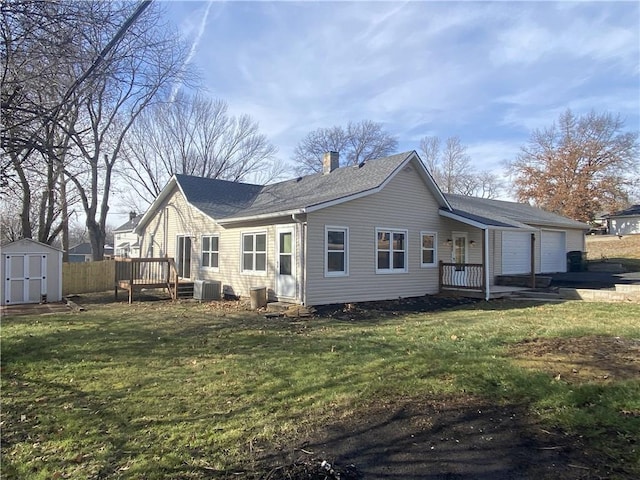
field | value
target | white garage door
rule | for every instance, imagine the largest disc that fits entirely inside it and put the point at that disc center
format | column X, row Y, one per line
column 25, row 280
column 553, row 254
column 516, row 253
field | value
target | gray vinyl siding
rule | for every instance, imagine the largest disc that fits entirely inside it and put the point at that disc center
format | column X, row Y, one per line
column 403, row 204
column 182, row 219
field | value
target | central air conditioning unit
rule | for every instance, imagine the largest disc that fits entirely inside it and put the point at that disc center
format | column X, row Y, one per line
column 206, row 290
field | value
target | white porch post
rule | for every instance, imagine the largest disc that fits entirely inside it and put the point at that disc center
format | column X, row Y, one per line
column 487, row 293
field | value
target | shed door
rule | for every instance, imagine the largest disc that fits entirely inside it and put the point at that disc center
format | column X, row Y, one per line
column 25, row 280
column 553, row 252
column 516, row 253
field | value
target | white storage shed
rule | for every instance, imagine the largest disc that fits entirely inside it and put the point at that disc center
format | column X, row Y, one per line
column 31, row 273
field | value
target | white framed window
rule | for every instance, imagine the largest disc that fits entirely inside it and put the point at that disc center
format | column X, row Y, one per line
column 336, row 258
column 254, row 252
column 391, row 250
column 210, row 251
column 429, row 247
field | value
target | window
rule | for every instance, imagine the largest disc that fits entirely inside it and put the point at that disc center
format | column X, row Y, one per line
column 210, row 251
column 391, row 251
column 429, row 241
column 336, row 249
column 254, row 252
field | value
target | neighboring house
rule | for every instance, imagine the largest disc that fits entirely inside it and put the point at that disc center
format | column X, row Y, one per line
column 127, row 242
column 624, row 222
column 374, row 231
column 599, row 224
column 83, row 252
column 31, row 272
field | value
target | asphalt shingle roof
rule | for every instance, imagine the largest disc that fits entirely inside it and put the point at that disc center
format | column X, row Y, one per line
column 228, row 201
column 503, row 213
column 129, row 225
column 632, row 211
column 222, row 199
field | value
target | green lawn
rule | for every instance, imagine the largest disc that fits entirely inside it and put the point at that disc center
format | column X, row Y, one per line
column 161, row 390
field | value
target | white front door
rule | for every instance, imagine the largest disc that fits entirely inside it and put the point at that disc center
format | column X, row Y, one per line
column 285, row 262
column 459, row 257
column 26, row 280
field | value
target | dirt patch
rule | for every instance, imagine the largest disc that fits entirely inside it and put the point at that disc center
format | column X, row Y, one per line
column 452, row 439
column 581, row 359
column 372, row 310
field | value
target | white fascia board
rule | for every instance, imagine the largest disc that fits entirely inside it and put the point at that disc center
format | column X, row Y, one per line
column 435, row 190
column 481, row 225
column 431, row 185
column 264, row 216
column 151, row 211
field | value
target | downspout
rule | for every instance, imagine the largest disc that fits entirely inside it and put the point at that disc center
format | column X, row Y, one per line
column 487, row 293
column 302, row 256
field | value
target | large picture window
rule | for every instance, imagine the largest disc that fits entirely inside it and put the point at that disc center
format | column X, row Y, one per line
column 254, row 252
column 391, row 251
column 336, row 251
column 429, row 242
column 210, row 251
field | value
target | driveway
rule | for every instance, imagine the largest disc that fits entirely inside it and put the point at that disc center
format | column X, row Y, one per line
column 593, row 279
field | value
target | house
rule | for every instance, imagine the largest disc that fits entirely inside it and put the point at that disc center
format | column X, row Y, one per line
column 127, row 242
column 31, row 272
column 379, row 230
column 84, row 253
column 624, row 222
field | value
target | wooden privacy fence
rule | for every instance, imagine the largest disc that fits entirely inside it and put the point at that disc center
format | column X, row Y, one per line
column 87, row 277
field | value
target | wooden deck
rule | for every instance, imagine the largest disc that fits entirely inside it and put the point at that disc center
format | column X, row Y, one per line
column 139, row 273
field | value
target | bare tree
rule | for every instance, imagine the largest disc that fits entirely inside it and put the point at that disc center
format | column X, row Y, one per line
column 39, row 40
column 140, row 69
column 579, row 166
column 195, row 136
column 453, row 171
column 358, row 142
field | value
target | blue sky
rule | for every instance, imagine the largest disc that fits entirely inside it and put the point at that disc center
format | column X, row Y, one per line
column 488, row 72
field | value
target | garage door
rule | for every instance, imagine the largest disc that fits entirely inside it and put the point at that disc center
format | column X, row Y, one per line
column 25, row 280
column 516, row 252
column 553, row 254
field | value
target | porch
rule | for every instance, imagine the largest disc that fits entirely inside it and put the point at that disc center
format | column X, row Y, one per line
column 133, row 274
column 470, row 280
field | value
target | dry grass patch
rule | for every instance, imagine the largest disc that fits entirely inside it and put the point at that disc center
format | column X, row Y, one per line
column 583, row 359
column 624, row 250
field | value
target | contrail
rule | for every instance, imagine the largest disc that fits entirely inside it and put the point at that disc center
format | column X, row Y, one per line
column 194, row 47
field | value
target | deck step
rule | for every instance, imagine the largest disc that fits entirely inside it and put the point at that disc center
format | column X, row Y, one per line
column 542, row 281
column 185, row 290
column 538, row 295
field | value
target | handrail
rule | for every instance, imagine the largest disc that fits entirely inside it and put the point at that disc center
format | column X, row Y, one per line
column 146, row 272
column 462, row 275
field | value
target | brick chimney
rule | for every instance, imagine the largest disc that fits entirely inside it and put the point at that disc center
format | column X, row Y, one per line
column 132, row 215
column 330, row 162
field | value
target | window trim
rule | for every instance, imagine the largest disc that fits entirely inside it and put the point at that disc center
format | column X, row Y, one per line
column 202, row 252
column 435, row 249
column 254, row 233
column 391, row 270
column 345, row 230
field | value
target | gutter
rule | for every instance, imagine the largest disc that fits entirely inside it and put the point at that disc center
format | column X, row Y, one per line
column 302, row 257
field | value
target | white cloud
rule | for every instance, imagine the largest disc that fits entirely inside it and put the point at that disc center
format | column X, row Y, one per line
column 473, row 69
